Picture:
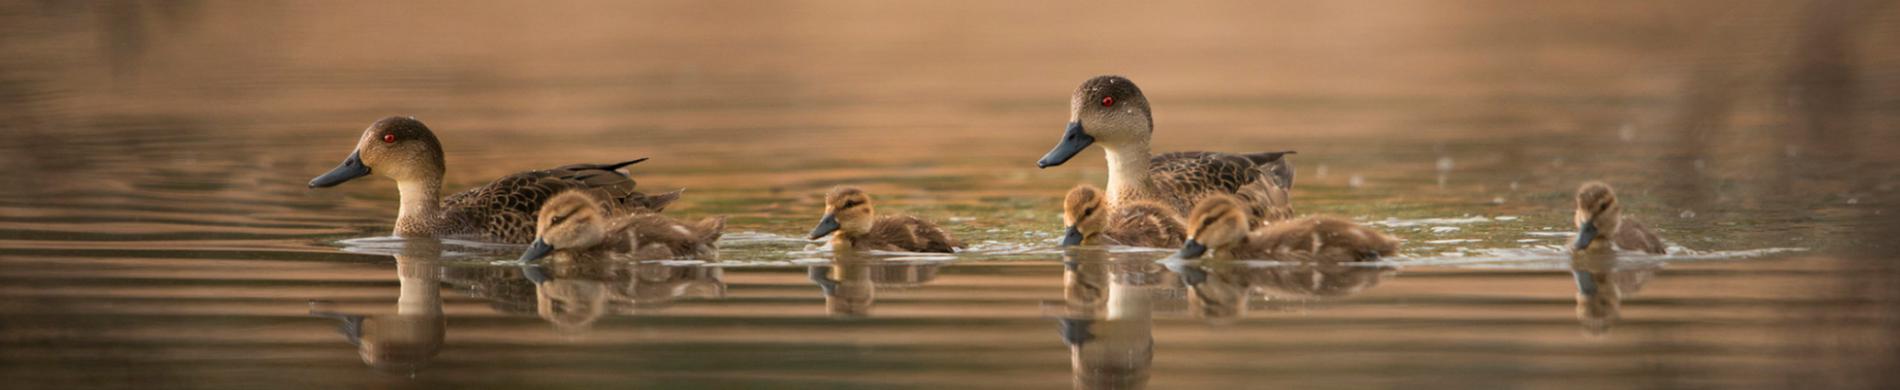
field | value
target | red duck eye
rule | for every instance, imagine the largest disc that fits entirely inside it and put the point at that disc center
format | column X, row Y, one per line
column 1108, row 101
column 389, row 138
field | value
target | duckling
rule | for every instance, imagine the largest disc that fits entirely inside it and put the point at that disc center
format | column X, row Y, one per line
column 503, row 211
column 1219, row 224
column 1111, row 111
column 848, row 212
column 1137, row 223
column 574, row 222
column 1600, row 216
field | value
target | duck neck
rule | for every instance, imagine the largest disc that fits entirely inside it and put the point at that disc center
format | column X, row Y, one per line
column 421, row 207
column 1127, row 170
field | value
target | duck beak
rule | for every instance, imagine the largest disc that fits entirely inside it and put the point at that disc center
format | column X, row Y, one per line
column 1073, row 141
column 351, row 168
column 1585, row 235
column 825, row 226
column 1193, row 250
column 1072, row 237
column 536, row 251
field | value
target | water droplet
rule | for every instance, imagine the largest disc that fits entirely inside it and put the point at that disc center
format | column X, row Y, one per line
column 1853, row 200
column 1626, row 133
column 1513, row 185
column 1356, row 181
column 1321, row 171
column 1791, row 150
column 1497, row 200
column 1687, row 214
column 1700, row 164
column 1444, row 164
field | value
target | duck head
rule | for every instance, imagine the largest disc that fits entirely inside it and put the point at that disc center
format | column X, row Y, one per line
column 571, row 220
column 1084, row 214
column 1598, row 215
column 1218, row 222
column 847, row 209
column 399, row 148
column 1105, row 109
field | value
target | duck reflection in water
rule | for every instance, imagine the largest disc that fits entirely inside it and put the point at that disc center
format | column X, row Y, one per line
column 406, row 341
column 1219, row 291
column 1603, row 282
column 850, row 283
column 1109, row 327
column 574, row 292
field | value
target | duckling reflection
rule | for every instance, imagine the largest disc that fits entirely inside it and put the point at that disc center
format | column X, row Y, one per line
column 1086, row 274
column 1219, row 291
column 850, row 283
column 404, row 342
column 1602, row 283
column 575, row 293
column 1110, row 326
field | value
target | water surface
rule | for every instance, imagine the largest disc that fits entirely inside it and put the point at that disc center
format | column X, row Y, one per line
column 155, row 228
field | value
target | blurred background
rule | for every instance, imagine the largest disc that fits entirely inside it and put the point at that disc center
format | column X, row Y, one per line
column 156, row 227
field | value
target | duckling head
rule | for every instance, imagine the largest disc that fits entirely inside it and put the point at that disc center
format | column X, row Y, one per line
column 847, row 209
column 400, row 148
column 1217, row 222
column 1107, row 109
column 1598, row 214
column 1084, row 213
column 571, row 220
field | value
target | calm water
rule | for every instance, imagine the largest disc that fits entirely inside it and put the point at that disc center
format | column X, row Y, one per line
column 155, row 230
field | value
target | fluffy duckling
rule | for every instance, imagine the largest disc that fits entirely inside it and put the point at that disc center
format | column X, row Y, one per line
column 1137, row 223
column 574, row 222
column 1219, row 224
column 403, row 149
column 1601, row 225
column 1111, row 111
column 848, row 212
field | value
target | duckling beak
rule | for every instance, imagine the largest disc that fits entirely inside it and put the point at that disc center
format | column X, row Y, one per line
column 1193, row 250
column 351, row 168
column 1073, row 141
column 1072, row 237
column 1584, row 236
column 536, row 251
column 825, row 226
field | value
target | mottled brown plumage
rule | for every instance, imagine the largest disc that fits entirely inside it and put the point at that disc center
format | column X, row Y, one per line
column 1600, row 216
column 848, row 212
column 1136, row 223
column 1112, row 112
column 503, row 211
column 1220, row 224
column 574, row 223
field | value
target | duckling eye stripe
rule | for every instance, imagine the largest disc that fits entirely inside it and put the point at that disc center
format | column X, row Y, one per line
column 850, row 204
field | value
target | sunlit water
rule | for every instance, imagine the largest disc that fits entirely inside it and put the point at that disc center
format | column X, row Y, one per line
column 155, row 229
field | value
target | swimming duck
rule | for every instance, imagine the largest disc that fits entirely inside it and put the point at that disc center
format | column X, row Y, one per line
column 403, row 149
column 1219, row 224
column 1111, row 111
column 574, row 222
column 848, row 212
column 1135, row 223
column 1600, row 216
